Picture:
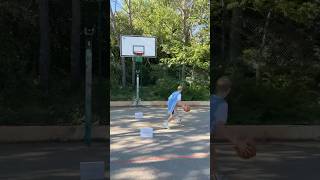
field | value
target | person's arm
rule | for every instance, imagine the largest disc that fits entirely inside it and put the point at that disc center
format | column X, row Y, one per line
column 221, row 128
column 180, row 103
column 224, row 131
column 233, row 137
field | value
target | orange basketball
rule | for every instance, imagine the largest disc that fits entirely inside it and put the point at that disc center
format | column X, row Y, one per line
column 249, row 152
column 186, row 108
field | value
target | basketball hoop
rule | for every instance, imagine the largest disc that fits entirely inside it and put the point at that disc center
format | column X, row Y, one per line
column 139, row 53
column 138, row 46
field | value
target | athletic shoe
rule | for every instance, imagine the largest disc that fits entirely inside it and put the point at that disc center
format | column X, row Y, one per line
column 178, row 120
column 166, row 125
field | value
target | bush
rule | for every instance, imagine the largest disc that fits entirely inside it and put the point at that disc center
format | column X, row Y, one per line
column 64, row 105
column 263, row 104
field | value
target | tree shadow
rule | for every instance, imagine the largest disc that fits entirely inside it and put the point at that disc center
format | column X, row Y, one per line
column 47, row 160
column 182, row 144
column 273, row 161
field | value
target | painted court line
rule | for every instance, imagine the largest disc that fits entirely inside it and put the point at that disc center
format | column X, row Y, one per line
column 161, row 158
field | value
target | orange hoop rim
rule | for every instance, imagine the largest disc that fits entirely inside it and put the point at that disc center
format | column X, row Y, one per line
column 139, row 53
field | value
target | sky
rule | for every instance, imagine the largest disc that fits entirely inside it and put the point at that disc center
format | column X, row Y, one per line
column 116, row 5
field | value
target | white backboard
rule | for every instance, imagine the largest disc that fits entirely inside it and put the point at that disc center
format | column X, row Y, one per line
column 129, row 42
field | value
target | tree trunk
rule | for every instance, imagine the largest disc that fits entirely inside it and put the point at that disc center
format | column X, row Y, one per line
column 122, row 59
column 262, row 47
column 133, row 74
column 100, row 40
column 183, row 73
column 44, row 56
column 105, row 31
column 235, row 35
column 186, row 33
column 113, row 19
column 123, row 68
column 128, row 2
column 222, row 32
column 130, row 13
column 75, row 43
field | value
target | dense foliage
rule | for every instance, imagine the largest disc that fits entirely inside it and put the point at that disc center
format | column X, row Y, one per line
column 271, row 51
column 183, row 50
column 22, row 100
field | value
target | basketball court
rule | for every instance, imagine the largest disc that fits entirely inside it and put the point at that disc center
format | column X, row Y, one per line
column 48, row 160
column 274, row 161
column 183, row 152
column 175, row 153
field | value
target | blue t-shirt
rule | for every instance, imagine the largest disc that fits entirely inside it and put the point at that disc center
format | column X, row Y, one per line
column 218, row 111
column 173, row 99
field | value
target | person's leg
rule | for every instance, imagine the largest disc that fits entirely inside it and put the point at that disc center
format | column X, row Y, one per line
column 179, row 115
column 213, row 161
column 166, row 123
column 171, row 117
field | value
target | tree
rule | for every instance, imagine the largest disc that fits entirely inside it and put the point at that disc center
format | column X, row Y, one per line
column 182, row 42
column 235, row 41
column 44, row 54
column 116, row 36
column 75, row 43
column 129, row 10
column 178, row 26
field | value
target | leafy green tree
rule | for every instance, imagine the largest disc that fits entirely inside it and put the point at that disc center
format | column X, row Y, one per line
column 183, row 40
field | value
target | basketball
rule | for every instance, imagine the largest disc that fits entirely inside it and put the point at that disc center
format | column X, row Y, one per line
column 248, row 153
column 186, row 108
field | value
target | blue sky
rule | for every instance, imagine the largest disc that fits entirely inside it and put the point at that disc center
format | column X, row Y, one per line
column 116, row 4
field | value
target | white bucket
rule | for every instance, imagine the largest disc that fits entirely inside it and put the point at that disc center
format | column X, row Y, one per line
column 138, row 115
column 146, row 132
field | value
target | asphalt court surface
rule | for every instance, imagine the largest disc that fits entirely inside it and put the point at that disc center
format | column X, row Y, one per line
column 274, row 161
column 172, row 154
column 49, row 161
column 177, row 153
column 183, row 153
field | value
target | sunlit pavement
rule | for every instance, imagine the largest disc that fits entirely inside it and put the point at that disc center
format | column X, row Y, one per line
column 177, row 153
column 274, row 161
column 182, row 153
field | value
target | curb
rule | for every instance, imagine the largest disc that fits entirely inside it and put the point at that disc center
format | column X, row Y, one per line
column 15, row 134
column 276, row 132
column 155, row 103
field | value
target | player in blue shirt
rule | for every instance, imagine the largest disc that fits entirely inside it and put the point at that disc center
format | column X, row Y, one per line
column 174, row 101
column 218, row 119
